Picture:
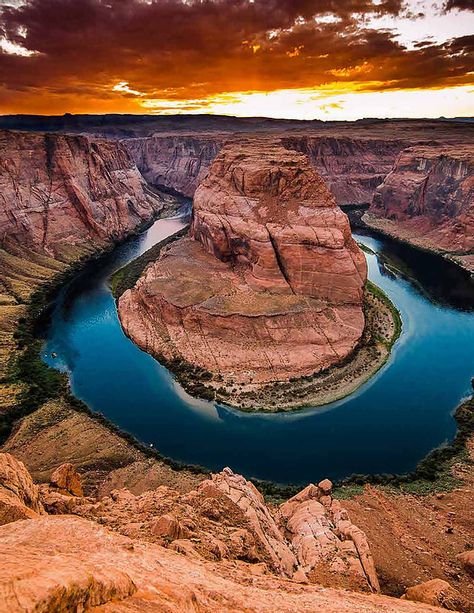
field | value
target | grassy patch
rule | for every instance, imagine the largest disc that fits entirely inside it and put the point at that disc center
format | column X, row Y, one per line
column 366, row 249
column 397, row 320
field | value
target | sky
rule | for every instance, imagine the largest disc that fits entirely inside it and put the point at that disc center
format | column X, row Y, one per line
column 304, row 59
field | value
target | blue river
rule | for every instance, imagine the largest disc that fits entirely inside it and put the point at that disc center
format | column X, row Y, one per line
column 387, row 426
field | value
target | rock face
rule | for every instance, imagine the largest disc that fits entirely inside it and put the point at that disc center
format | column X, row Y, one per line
column 61, row 198
column 57, row 191
column 19, row 496
column 178, row 162
column 270, row 283
column 428, row 199
column 352, row 167
column 66, row 479
column 217, row 548
column 438, row 593
column 71, row 564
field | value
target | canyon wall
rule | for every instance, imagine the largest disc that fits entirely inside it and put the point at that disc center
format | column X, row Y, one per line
column 351, row 167
column 175, row 161
column 428, row 199
column 61, row 198
column 58, row 190
column 268, row 286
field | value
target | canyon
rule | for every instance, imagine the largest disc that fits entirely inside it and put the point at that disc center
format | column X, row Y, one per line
column 269, row 283
column 62, row 199
column 142, row 528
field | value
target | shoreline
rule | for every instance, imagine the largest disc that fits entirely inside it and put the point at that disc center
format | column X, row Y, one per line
column 382, row 329
column 330, row 385
column 376, row 224
column 439, row 459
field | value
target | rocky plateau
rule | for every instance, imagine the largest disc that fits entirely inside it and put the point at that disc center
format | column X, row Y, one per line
column 219, row 547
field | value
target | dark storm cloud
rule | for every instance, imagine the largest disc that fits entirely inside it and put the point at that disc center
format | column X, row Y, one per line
column 171, row 49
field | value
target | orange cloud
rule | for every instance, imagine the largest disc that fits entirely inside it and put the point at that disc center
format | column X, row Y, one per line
column 129, row 55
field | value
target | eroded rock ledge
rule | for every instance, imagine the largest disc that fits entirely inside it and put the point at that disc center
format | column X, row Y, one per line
column 269, row 284
column 220, row 547
column 428, row 200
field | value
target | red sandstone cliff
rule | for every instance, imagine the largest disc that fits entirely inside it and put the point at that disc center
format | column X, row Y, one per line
column 270, row 284
column 57, row 191
column 428, row 198
column 61, row 198
column 351, row 167
column 176, row 161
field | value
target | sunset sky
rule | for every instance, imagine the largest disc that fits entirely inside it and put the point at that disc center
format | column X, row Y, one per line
column 323, row 59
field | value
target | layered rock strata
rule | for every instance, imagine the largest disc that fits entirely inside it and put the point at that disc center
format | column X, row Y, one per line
column 269, row 284
column 57, row 191
column 67, row 563
column 62, row 198
column 428, row 199
column 352, row 167
column 175, row 161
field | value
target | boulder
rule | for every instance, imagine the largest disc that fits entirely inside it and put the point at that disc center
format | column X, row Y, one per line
column 19, row 496
column 467, row 560
column 438, row 593
column 168, row 526
column 67, row 479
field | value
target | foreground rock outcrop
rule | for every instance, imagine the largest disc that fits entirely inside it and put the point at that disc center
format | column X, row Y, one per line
column 268, row 286
column 71, row 564
column 428, row 199
column 19, row 496
column 218, row 548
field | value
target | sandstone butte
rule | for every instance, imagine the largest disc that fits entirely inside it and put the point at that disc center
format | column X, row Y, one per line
column 269, row 283
column 428, row 199
column 217, row 548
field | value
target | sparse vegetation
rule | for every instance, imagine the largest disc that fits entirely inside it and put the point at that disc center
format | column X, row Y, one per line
column 128, row 275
